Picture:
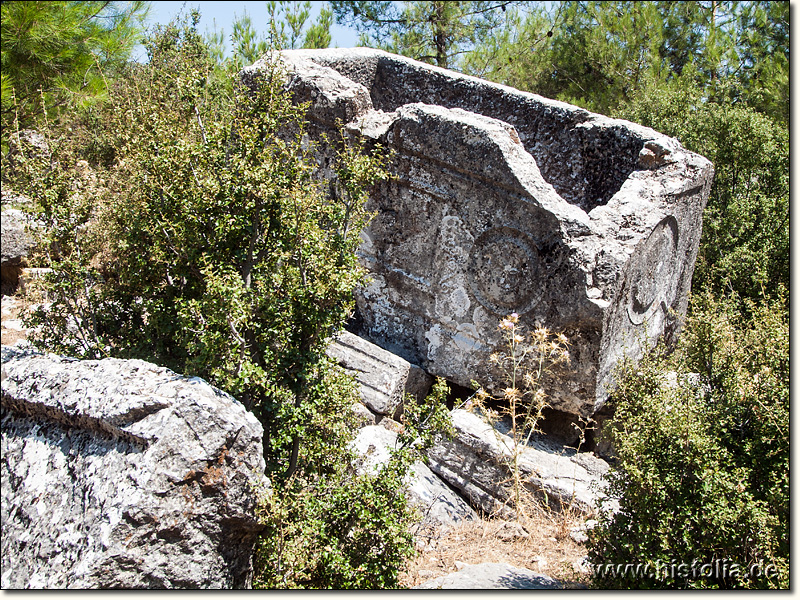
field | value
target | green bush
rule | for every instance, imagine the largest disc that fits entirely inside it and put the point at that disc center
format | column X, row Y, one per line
column 211, row 248
column 745, row 243
column 702, row 471
column 350, row 529
column 208, row 245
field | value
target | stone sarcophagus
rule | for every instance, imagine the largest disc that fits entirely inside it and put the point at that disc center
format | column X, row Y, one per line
column 505, row 202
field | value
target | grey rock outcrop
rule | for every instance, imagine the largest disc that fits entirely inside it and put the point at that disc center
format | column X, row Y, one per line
column 122, row 474
column 10, row 199
column 383, row 378
column 476, row 460
column 491, row 576
column 503, row 202
column 438, row 504
column 580, row 533
column 16, row 244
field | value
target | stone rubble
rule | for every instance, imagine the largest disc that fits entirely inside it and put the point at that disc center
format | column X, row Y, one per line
column 123, row 474
column 438, row 504
column 476, row 463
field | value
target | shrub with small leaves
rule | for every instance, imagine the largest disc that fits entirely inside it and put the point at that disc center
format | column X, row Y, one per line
column 702, row 446
column 213, row 248
column 346, row 526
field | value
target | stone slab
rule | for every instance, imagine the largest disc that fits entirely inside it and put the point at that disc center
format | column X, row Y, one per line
column 437, row 503
column 383, row 378
column 476, row 462
column 491, row 576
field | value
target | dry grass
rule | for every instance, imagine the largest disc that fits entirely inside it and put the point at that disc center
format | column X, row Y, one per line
column 539, row 541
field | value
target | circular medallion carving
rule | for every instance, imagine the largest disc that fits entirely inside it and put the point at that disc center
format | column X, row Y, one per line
column 652, row 278
column 504, row 269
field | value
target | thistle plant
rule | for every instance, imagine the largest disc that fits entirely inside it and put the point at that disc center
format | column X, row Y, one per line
column 528, row 359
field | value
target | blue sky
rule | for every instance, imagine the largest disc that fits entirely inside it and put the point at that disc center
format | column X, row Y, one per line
column 224, row 13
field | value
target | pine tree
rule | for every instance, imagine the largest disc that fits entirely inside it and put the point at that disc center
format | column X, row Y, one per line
column 288, row 26
column 55, row 54
column 602, row 55
column 433, row 32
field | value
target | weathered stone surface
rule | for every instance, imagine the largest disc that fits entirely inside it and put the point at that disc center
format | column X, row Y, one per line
column 503, row 202
column 384, row 378
column 10, row 199
column 16, row 243
column 511, row 531
column 364, row 416
column 579, row 534
column 476, row 462
column 119, row 473
column 436, row 501
column 491, row 576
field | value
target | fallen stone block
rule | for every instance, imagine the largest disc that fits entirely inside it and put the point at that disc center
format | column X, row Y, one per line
column 503, row 201
column 437, row 503
column 122, row 474
column 383, row 378
column 476, row 462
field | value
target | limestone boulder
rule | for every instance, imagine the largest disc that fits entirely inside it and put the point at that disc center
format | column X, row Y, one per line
column 122, row 474
column 476, row 462
column 501, row 202
column 383, row 378
column 17, row 242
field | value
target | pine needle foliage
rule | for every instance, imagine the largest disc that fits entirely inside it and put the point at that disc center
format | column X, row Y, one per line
column 55, row 54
